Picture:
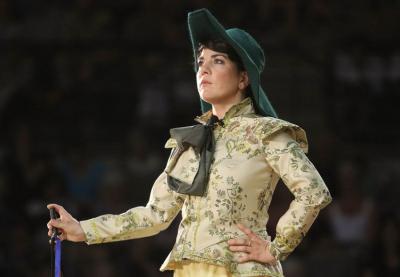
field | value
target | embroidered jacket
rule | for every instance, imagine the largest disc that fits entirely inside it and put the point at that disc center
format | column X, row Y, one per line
column 251, row 154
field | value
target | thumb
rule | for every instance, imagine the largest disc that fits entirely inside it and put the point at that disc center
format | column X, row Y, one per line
column 59, row 209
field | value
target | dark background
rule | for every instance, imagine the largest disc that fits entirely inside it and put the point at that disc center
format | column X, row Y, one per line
column 89, row 90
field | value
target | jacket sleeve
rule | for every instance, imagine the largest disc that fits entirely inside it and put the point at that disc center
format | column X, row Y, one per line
column 162, row 207
column 285, row 153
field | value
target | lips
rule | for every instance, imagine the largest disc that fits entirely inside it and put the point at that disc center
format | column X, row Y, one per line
column 204, row 82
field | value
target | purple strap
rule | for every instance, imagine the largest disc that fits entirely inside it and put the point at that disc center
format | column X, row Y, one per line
column 55, row 249
column 57, row 258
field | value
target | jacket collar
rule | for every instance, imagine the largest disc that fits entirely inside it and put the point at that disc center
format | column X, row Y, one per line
column 244, row 107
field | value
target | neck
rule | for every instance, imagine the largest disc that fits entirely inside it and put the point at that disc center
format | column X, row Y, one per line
column 220, row 109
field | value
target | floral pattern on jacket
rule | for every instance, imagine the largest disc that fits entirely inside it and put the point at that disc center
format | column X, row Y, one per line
column 251, row 154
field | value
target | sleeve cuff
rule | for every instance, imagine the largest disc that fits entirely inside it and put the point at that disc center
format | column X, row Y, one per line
column 89, row 228
column 278, row 255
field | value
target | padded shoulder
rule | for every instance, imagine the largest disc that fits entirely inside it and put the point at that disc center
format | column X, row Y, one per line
column 271, row 127
column 171, row 143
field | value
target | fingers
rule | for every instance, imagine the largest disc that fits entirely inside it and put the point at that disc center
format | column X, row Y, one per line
column 57, row 223
column 247, row 231
column 50, row 227
column 59, row 209
column 62, row 236
column 246, row 249
column 62, row 223
column 251, row 237
column 244, row 258
column 251, row 248
column 52, row 205
column 238, row 242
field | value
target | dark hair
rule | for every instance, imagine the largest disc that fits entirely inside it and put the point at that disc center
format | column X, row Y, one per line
column 223, row 47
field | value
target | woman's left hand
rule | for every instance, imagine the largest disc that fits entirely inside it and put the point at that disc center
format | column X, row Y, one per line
column 253, row 247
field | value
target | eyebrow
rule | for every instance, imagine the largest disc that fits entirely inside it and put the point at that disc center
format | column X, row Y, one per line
column 214, row 55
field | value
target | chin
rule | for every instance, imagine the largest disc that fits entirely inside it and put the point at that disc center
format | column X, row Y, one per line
column 208, row 98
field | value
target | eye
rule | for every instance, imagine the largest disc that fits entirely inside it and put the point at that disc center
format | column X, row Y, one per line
column 219, row 61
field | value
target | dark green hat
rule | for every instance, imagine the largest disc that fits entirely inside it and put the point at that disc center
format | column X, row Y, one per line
column 203, row 26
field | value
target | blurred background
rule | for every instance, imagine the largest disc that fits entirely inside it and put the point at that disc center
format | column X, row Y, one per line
column 89, row 90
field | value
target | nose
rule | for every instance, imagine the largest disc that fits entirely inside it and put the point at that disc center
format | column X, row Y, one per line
column 203, row 69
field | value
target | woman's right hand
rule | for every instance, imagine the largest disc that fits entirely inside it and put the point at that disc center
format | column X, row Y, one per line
column 68, row 226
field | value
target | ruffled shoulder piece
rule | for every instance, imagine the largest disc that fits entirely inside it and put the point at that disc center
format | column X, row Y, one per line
column 171, row 143
column 271, row 126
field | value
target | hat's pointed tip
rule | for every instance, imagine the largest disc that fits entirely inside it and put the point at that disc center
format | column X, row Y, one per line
column 202, row 10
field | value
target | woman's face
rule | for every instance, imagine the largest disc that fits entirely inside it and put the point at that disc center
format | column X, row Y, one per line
column 218, row 79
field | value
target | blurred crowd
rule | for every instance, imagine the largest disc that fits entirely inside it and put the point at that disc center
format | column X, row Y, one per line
column 90, row 88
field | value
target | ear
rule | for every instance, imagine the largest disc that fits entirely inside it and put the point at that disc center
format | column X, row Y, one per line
column 244, row 80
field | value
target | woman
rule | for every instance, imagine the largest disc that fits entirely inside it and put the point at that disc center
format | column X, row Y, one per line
column 222, row 172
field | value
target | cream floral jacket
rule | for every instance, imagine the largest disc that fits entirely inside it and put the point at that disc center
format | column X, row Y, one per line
column 252, row 153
